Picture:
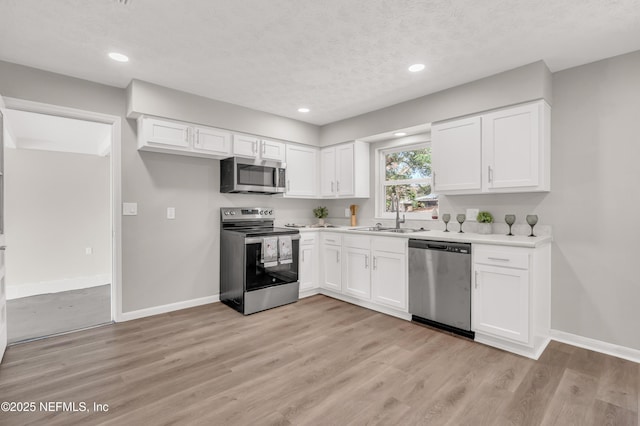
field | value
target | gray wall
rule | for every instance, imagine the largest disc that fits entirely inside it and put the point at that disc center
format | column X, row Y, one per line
column 521, row 84
column 164, row 261
column 57, row 204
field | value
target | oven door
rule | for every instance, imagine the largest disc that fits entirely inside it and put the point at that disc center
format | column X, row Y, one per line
column 258, row 277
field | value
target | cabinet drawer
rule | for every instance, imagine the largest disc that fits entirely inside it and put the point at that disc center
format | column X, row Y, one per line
column 357, row 241
column 307, row 239
column 332, row 239
column 511, row 258
column 390, row 244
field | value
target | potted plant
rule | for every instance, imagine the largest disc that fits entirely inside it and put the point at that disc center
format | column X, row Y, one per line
column 485, row 219
column 321, row 212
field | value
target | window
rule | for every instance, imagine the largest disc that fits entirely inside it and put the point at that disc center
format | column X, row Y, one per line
column 405, row 171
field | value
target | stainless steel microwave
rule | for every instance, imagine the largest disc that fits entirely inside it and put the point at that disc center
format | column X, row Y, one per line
column 243, row 175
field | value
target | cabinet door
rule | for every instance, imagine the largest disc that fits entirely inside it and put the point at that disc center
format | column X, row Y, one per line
column 245, row 146
column 212, row 141
column 302, row 171
column 165, row 133
column 501, row 302
column 356, row 273
column 389, row 279
column 511, row 140
column 272, row 150
column 456, row 155
column 328, row 172
column 308, row 264
column 332, row 274
column 345, row 178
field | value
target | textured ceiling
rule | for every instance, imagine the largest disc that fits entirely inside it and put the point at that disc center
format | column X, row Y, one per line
column 338, row 57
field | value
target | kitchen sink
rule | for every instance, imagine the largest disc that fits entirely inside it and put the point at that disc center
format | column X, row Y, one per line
column 379, row 229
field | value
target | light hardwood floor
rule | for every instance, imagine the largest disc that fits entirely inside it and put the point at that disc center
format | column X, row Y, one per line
column 318, row 361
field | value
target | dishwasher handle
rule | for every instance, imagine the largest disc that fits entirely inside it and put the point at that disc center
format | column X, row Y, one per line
column 464, row 248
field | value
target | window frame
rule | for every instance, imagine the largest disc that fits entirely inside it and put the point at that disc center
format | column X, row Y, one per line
column 381, row 182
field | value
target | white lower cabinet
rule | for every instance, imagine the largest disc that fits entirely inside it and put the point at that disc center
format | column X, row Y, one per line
column 389, row 278
column 331, row 253
column 510, row 297
column 308, row 266
column 356, row 268
column 373, row 270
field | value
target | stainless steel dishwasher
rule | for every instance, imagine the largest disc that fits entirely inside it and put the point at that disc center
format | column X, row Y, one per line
column 440, row 285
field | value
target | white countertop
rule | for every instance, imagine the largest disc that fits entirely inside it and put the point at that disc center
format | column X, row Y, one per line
column 466, row 237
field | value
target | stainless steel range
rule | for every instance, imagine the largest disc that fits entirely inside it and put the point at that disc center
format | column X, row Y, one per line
column 258, row 262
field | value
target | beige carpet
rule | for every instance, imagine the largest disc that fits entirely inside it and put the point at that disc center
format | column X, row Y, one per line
column 46, row 314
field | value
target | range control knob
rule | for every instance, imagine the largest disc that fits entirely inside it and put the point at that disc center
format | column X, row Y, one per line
column 270, row 211
column 261, row 211
column 232, row 213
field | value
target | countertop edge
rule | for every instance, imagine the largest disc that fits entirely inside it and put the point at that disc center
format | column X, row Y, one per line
column 467, row 237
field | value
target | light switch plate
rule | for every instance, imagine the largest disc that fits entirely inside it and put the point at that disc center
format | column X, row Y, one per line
column 347, row 213
column 129, row 209
column 171, row 212
column 472, row 214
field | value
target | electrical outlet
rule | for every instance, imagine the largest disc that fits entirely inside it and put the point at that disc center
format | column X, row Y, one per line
column 347, row 213
column 129, row 209
column 88, row 250
column 472, row 214
column 171, row 212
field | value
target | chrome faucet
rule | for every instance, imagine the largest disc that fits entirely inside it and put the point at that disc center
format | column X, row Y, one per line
column 396, row 198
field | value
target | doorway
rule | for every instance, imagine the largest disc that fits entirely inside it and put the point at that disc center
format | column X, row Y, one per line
column 62, row 265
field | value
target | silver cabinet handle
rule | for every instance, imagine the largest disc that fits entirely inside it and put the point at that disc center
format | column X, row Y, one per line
column 366, row 261
column 255, row 147
column 433, row 179
column 375, row 263
column 303, row 255
column 490, row 174
column 337, row 256
column 186, row 134
column 501, row 259
column 476, row 280
column 288, row 185
column 337, row 186
column 332, row 187
column 196, row 138
column 264, row 147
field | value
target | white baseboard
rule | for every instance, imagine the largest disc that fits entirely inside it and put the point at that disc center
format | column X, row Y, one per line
column 309, row 292
column 163, row 309
column 623, row 352
column 56, row 286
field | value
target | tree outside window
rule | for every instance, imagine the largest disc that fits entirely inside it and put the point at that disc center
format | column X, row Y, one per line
column 407, row 173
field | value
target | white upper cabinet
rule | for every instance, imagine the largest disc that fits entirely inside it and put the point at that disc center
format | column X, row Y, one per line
column 515, row 145
column 344, row 170
column 328, row 172
column 215, row 141
column 302, row 171
column 246, row 146
column 163, row 134
column 456, row 152
column 174, row 137
column 272, row 150
column 501, row 151
column 253, row 147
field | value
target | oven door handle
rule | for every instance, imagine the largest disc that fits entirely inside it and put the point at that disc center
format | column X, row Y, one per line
column 254, row 240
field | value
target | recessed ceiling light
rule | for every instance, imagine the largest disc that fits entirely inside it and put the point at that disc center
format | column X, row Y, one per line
column 303, row 110
column 118, row 57
column 416, row 67
column 400, row 134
